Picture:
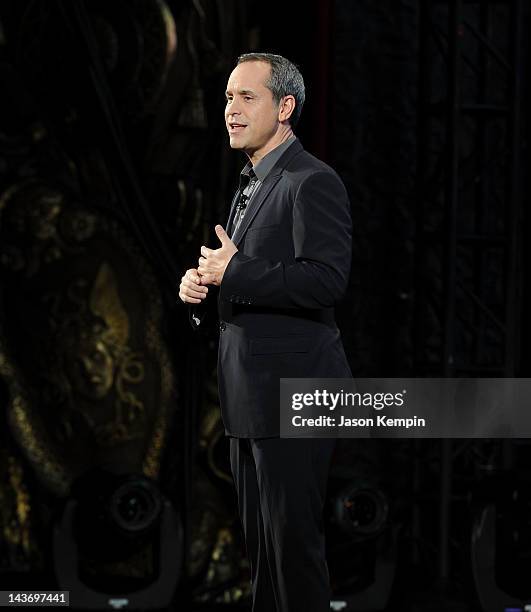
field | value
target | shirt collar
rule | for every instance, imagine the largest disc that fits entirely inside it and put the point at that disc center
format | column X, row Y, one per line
column 265, row 165
column 246, row 175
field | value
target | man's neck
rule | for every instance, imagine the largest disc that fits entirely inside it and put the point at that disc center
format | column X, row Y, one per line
column 277, row 140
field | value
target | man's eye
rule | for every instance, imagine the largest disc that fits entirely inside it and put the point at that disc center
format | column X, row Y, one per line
column 247, row 98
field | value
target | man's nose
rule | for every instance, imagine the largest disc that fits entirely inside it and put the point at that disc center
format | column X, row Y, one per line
column 232, row 108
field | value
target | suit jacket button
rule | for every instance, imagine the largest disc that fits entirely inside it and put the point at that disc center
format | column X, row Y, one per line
column 222, row 326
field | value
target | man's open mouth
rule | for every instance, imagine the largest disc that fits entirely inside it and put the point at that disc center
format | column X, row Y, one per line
column 236, row 127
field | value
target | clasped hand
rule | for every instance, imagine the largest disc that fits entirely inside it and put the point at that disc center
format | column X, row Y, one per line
column 210, row 270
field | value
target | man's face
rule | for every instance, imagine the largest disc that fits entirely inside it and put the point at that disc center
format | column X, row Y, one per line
column 251, row 114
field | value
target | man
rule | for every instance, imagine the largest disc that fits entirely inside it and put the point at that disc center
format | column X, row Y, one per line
column 280, row 269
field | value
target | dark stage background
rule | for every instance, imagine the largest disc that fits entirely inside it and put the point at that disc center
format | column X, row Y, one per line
column 114, row 169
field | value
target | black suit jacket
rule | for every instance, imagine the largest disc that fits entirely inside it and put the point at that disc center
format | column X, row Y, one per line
column 276, row 300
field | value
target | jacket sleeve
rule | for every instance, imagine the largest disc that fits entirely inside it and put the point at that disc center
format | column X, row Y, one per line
column 322, row 239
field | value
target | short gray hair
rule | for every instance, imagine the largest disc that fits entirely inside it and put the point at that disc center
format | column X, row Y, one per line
column 285, row 80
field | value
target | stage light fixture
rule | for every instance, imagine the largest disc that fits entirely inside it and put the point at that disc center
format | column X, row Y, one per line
column 113, row 521
column 361, row 511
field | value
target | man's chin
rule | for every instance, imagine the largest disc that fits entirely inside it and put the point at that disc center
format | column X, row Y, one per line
column 236, row 144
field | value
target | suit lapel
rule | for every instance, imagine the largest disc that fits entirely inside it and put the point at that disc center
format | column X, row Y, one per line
column 232, row 210
column 268, row 184
column 256, row 203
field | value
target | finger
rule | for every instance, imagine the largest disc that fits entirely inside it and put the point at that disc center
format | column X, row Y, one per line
column 192, row 288
column 189, row 300
column 202, row 263
column 208, row 279
column 205, row 251
column 192, row 275
column 198, row 295
column 192, row 285
column 222, row 235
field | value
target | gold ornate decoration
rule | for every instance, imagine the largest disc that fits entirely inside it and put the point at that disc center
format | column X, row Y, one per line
column 15, row 514
column 99, row 360
column 90, row 379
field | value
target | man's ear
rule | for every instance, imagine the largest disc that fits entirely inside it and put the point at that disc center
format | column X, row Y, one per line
column 286, row 108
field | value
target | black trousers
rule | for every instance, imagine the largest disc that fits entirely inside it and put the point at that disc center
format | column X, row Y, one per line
column 281, row 487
